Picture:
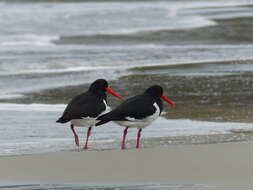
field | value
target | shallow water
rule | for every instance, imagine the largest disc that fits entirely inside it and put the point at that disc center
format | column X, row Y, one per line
column 35, row 131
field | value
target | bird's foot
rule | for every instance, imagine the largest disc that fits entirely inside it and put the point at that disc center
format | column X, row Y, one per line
column 85, row 147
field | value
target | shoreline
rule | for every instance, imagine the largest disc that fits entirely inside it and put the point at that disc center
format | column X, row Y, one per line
column 215, row 166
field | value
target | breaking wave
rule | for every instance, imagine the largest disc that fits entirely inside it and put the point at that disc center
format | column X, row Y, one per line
column 28, row 40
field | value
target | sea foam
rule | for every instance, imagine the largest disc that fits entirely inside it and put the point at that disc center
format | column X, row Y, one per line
column 32, row 107
column 28, row 40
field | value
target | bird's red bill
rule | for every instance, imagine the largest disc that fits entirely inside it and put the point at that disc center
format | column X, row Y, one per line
column 168, row 100
column 111, row 91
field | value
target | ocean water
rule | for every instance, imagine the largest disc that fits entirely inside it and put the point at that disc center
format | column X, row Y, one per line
column 50, row 45
column 53, row 44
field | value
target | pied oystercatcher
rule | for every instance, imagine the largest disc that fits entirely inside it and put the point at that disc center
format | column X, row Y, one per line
column 83, row 109
column 137, row 112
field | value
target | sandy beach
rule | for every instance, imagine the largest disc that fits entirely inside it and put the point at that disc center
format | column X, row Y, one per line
column 214, row 166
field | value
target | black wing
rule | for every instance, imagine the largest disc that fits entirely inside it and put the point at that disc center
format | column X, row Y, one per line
column 137, row 107
column 84, row 105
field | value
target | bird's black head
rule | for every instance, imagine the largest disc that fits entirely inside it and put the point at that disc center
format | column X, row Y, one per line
column 155, row 91
column 100, row 86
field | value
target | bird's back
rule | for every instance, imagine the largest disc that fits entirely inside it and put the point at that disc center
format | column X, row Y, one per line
column 137, row 107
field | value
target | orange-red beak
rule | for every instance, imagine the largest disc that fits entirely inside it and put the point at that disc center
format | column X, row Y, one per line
column 111, row 91
column 168, row 100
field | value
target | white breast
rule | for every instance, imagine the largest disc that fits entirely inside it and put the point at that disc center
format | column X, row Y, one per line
column 107, row 109
column 89, row 121
column 84, row 122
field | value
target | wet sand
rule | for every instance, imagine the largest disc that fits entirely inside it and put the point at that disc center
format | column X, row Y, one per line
column 214, row 166
column 215, row 91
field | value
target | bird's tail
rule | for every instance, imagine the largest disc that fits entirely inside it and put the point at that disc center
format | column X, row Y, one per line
column 62, row 120
column 103, row 119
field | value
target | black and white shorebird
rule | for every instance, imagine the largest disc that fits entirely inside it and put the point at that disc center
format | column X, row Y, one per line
column 83, row 110
column 137, row 112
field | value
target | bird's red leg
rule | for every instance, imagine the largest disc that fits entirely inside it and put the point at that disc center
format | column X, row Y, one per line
column 75, row 134
column 138, row 138
column 87, row 139
column 123, row 144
